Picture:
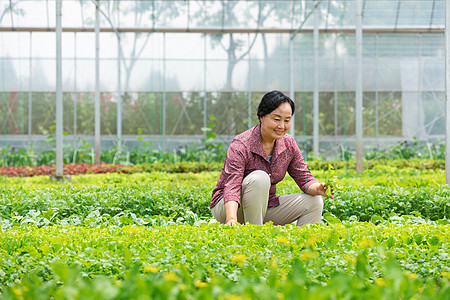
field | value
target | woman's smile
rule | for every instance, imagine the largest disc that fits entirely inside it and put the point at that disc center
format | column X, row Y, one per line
column 279, row 131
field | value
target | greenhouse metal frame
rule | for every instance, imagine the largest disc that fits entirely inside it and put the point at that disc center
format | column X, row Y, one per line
column 351, row 66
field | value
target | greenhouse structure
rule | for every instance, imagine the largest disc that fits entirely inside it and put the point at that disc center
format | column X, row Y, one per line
column 364, row 74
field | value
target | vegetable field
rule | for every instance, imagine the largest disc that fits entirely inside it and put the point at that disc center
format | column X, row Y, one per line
column 148, row 236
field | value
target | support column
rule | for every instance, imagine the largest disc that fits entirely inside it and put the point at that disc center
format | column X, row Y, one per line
column 291, row 84
column 75, row 117
column 205, row 98
column 249, row 87
column 59, row 94
column 335, row 73
column 97, row 83
column 119, row 96
column 164, row 95
column 316, row 83
column 359, row 94
column 377, row 87
column 30, row 93
column 447, row 92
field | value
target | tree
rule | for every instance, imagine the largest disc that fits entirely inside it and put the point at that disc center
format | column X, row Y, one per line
column 237, row 48
column 10, row 8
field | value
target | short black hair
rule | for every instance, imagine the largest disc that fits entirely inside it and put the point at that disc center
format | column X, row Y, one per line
column 271, row 100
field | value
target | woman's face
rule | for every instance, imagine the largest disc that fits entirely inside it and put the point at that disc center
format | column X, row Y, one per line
column 276, row 124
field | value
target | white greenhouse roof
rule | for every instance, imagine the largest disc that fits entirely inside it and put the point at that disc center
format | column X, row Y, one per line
column 223, row 15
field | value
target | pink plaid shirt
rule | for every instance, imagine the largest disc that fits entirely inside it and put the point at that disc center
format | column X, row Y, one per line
column 246, row 154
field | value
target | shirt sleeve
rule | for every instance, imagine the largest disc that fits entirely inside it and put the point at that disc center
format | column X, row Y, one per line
column 234, row 168
column 299, row 170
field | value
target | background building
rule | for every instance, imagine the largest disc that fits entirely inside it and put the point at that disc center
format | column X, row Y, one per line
column 167, row 69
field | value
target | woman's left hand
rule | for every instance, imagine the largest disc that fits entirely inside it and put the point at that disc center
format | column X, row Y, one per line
column 324, row 188
column 320, row 189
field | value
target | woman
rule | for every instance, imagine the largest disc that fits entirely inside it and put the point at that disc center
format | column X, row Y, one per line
column 256, row 161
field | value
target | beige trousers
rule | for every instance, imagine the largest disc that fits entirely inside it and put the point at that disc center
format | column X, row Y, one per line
column 301, row 208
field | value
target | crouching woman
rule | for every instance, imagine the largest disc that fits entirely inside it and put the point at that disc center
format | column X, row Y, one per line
column 256, row 161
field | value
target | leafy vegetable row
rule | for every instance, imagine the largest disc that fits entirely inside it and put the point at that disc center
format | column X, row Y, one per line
column 379, row 176
column 74, row 204
column 196, row 167
column 70, row 282
column 207, row 251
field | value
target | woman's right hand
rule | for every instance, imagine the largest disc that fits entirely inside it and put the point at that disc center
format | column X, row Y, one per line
column 231, row 208
column 231, row 221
